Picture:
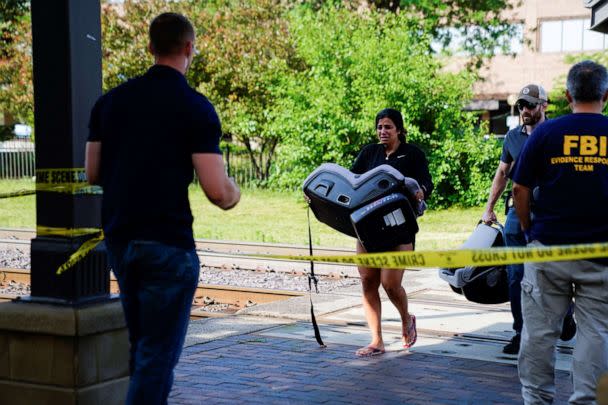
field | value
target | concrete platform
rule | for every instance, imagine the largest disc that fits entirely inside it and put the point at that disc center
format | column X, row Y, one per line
column 267, row 353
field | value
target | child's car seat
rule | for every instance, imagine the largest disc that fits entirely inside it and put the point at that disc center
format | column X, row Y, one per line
column 484, row 285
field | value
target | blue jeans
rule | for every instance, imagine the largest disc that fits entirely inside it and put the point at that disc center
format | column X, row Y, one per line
column 514, row 237
column 157, row 284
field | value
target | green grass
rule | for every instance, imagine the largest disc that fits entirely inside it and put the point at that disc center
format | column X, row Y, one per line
column 448, row 228
column 17, row 212
column 268, row 216
column 262, row 216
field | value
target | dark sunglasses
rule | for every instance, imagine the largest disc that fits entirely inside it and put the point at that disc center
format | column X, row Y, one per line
column 521, row 104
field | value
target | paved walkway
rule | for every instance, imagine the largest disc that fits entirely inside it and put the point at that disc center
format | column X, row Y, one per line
column 267, row 354
column 260, row 369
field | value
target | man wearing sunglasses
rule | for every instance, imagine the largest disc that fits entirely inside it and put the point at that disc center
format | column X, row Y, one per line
column 531, row 104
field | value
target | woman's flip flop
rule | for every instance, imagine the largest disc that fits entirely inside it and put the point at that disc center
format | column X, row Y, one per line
column 412, row 334
column 369, row 351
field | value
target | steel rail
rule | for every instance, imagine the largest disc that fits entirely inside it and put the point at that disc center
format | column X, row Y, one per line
column 206, row 294
column 235, row 255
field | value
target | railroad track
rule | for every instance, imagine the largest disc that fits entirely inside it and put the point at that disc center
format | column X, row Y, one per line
column 23, row 236
column 234, row 254
column 229, row 298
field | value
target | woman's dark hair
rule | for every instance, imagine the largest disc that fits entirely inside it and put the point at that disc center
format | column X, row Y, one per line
column 169, row 32
column 395, row 116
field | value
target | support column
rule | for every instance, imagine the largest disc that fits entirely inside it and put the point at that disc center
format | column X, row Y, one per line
column 67, row 81
column 66, row 343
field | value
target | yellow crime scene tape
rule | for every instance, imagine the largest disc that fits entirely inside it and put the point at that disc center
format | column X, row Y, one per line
column 18, row 193
column 69, row 188
column 69, row 181
column 416, row 259
column 82, row 251
column 66, row 232
column 73, row 181
column 464, row 257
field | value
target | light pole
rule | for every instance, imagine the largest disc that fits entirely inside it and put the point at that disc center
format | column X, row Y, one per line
column 513, row 119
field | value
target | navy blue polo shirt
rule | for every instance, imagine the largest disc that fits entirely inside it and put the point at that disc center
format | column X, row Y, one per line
column 149, row 127
column 514, row 142
column 567, row 159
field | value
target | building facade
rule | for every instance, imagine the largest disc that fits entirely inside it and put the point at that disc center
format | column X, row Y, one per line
column 552, row 30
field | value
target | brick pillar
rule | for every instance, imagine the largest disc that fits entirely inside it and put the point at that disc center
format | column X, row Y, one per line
column 58, row 354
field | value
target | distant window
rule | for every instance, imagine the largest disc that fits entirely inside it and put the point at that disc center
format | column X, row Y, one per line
column 570, row 36
column 516, row 43
column 458, row 39
column 454, row 46
column 592, row 40
column 551, row 36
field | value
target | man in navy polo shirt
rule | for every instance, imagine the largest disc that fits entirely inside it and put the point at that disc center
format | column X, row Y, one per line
column 531, row 104
column 147, row 138
column 564, row 165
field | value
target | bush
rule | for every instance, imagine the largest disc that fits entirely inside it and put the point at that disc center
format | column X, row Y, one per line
column 6, row 132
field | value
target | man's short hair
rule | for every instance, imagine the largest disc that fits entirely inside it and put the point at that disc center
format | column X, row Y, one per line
column 587, row 81
column 169, row 32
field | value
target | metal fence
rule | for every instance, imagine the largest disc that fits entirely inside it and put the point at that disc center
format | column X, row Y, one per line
column 18, row 160
column 240, row 167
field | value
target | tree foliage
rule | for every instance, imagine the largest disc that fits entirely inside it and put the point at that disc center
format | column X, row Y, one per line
column 359, row 64
column 482, row 24
column 17, row 95
column 306, row 81
column 246, row 49
column 10, row 12
column 125, row 39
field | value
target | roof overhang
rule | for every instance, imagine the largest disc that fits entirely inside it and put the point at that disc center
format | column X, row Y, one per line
column 482, row 105
column 599, row 14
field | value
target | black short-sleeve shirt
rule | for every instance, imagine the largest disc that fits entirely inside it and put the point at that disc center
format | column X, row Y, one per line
column 149, row 127
column 408, row 159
